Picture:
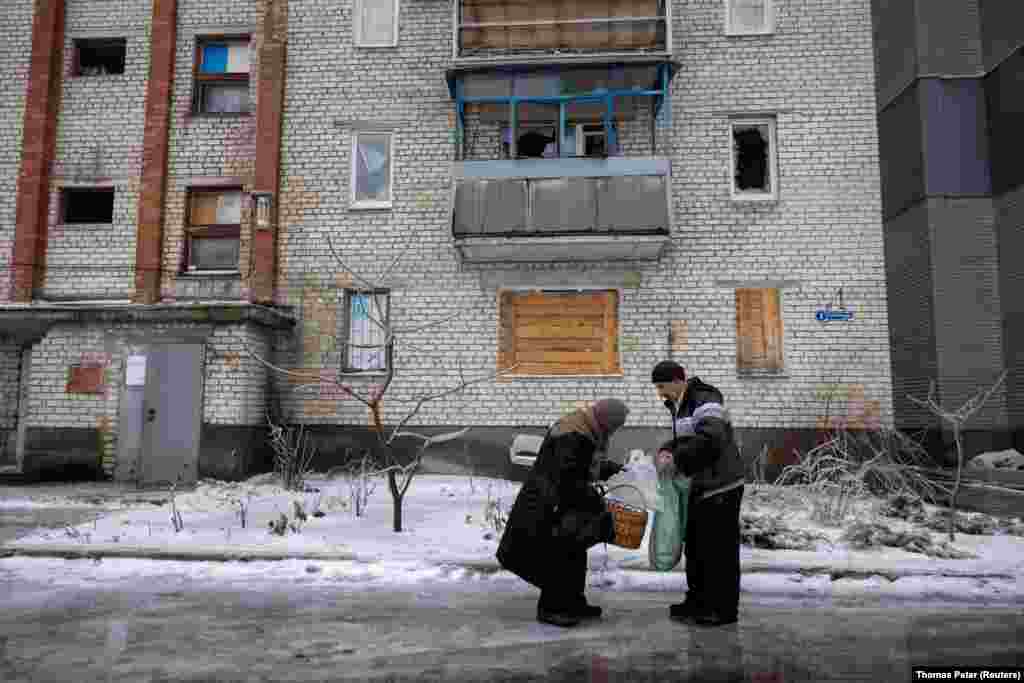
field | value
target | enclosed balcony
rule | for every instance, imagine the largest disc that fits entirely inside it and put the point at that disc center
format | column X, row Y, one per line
column 495, row 30
column 561, row 163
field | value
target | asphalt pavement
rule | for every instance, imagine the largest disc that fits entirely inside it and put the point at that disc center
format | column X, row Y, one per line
column 166, row 626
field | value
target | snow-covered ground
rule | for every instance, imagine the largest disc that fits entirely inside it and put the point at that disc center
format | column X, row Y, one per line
column 449, row 519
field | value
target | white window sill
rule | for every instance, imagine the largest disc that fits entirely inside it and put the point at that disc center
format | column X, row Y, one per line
column 369, row 206
column 761, row 374
column 754, row 197
column 218, row 273
column 367, row 373
column 764, row 32
column 377, row 45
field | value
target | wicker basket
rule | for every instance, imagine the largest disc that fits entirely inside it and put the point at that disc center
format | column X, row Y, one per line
column 630, row 521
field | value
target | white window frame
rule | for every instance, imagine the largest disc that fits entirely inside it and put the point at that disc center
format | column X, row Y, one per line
column 346, row 301
column 769, row 20
column 773, row 155
column 372, row 204
column 357, row 15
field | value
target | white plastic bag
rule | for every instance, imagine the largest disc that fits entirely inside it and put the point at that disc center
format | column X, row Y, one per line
column 641, row 474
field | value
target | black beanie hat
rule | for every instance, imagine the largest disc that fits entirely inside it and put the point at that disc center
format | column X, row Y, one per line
column 668, row 371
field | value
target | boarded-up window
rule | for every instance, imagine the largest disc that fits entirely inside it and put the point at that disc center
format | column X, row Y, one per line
column 85, row 380
column 758, row 330
column 214, row 229
column 559, row 333
column 749, row 16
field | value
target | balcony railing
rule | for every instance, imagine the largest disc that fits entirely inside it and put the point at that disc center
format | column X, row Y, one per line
column 533, row 210
column 513, row 28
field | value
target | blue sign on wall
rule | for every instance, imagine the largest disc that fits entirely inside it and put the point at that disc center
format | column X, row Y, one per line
column 827, row 315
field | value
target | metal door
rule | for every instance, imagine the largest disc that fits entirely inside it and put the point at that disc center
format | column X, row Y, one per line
column 171, row 414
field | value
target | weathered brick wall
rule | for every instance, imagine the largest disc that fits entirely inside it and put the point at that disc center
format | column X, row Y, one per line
column 10, row 368
column 236, row 384
column 16, row 30
column 207, row 147
column 815, row 73
column 99, row 139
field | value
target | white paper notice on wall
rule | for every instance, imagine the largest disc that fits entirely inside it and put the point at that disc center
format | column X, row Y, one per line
column 135, row 371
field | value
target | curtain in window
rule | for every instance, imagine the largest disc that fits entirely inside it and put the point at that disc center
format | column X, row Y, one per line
column 226, row 98
column 363, row 330
column 372, row 168
column 377, row 21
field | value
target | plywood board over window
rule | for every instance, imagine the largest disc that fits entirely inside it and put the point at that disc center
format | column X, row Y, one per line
column 758, row 330
column 549, row 333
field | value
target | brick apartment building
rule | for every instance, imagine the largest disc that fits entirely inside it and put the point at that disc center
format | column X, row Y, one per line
column 594, row 186
column 951, row 127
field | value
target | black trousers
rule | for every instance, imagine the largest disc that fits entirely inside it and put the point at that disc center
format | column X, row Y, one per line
column 712, row 551
column 567, row 578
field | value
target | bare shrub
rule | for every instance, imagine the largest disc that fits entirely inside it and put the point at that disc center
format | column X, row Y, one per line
column 865, row 535
column 772, row 532
column 294, row 451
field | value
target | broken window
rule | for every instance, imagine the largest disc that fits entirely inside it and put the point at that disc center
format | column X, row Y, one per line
column 559, row 333
column 214, row 229
column 748, row 16
column 753, row 151
column 88, row 205
column 371, row 170
column 376, row 23
column 758, row 330
column 100, row 56
column 222, row 76
column 366, row 319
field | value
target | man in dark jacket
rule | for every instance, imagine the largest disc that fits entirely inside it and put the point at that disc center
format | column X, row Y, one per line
column 557, row 515
column 704, row 448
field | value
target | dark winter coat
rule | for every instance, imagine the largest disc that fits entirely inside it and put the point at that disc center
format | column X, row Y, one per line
column 557, row 508
column 707, row 452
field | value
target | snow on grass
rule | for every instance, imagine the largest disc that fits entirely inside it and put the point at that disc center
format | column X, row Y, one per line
column 445, row 520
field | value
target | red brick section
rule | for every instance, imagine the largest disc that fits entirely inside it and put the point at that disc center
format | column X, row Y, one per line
column 39, row 139
column 149, row 245
column 269, row 115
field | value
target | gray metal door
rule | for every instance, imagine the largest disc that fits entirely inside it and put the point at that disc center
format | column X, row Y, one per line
column 171, row 414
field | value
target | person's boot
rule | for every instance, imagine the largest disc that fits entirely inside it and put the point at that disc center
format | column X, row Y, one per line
column 585, row 610
column 685, row 610
column 563, row 618
column 715, row 618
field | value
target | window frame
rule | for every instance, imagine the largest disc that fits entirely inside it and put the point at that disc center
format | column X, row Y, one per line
column 771, row 366
column 211, row 231
column 737, row 195
column 200, row 79
column 77, row 66
column 769, row 20
column 357, row 30
column 371, row 204
column 612, row 328
column 106, row 189
column 346, row 331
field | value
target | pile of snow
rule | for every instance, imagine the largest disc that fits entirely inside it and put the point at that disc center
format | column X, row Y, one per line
column 1010, row 459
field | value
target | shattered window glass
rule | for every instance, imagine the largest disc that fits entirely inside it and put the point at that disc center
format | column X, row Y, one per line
column 751, row 156
column 373, row 167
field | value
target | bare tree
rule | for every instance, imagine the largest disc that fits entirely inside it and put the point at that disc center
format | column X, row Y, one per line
column 956, row 419
column 399, row 474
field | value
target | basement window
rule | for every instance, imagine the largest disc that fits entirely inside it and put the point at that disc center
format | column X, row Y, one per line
column 222, row 76
column 754, row 165
column 100, row 56
column 88, row 205
column 214, row 230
